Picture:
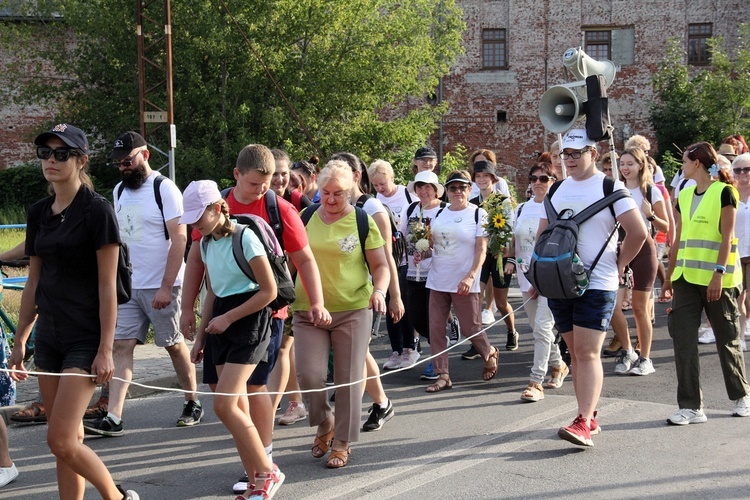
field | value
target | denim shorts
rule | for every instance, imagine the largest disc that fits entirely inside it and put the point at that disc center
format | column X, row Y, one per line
column 592, row 310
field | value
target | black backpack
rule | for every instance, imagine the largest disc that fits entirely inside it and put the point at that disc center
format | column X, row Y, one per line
column 285, row 293
column 124, row 275
column 398, row 250
column 272, row 209
column 363, row 225
column 550, row 271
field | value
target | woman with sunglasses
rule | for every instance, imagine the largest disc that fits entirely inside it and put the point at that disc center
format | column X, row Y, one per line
column 457, row 233
column 546, row 351
column 72, row 240
column 741, row 170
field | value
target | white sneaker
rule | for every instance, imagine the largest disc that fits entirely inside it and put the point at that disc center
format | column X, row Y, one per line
column 408, row 359
column 624, row 362
column 686, row 416
column 8, row 474
column 642, row 366
column 487, row 317
column 741, row 407
column 706, row 335
column 393, row 362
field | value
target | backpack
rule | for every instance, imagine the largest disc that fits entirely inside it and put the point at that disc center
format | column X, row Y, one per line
column 551, row 271
column 363, row 226
column 157, row 196
column 285, row 293
column 398, row 250
column 124, row 275
column 414, row 205
column 649, row 187
column 272, row 209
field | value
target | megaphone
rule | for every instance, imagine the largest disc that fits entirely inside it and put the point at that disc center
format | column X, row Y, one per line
column 561, row 106
column 582, row 66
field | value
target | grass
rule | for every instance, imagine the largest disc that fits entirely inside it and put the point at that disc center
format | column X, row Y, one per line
column 11, row 299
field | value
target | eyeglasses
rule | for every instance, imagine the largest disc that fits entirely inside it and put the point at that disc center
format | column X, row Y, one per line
column 541, row 178
column 61, row 154
column 575, row 155
column 457, row 189
column 127, row 162
column 745, row 170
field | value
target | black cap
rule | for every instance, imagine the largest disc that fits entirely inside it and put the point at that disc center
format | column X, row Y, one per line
column 126, row 143
column 484, row 166
column 70, row 135
column 425, row 152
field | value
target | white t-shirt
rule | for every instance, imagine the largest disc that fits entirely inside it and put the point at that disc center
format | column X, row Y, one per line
column 659, row 175
column 399, row 202
column 742, row 229
column 142, row 228
column 413, row 273
column 577, row 195
column 454, row 235
column 500, row 187
column 525, row 230
column 637, row 196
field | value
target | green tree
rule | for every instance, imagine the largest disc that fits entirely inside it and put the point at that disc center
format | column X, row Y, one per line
column 356, row 72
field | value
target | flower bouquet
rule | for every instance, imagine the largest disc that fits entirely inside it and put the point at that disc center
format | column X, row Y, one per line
column 418, row 234
column 499, row 226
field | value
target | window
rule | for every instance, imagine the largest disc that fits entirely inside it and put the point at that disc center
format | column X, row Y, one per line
column 598, row 44
column 494, row 49
column 698, row 51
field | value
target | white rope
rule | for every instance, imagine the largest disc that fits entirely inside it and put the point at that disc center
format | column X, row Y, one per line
column 209, row 393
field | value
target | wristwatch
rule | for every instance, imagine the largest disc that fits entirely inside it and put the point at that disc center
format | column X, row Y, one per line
column 652, row 218
column 720, row 269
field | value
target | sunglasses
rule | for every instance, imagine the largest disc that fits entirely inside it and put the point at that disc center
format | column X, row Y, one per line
column 61, row 154
column 541, row 178
column 303, row 165
column 127, row 162
column 457, row 189
column 745, row 170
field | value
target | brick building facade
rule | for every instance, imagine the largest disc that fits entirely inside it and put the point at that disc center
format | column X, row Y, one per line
column 514, row 51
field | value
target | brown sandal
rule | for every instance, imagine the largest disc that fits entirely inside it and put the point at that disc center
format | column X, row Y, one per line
column 322, row 444
column 342, row 455
column 98, row 409
column 489, row 372
column 32, row 413
column 437, row 386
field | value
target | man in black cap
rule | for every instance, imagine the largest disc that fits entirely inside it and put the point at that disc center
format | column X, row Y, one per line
column 148, row 207
column 425, row 159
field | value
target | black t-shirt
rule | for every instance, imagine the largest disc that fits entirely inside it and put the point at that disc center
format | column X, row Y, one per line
column 68, row 288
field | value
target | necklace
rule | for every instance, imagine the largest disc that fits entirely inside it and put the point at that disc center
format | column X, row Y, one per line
column 63, row 213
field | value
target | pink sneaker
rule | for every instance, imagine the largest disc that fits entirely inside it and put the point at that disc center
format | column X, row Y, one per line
column 577, row 433
column 594, row 426
column 266, row 484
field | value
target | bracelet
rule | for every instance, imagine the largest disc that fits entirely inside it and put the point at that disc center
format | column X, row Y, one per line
column 511, row 260
column 720, row 269
column 381, row 292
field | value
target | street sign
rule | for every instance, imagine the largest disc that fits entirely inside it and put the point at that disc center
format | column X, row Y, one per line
column 155, row 116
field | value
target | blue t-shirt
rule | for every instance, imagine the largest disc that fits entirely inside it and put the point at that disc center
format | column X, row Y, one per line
column 226, row 276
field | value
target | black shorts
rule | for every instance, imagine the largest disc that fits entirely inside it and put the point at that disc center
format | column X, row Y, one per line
column 489, row 268
column 55, row 351
column 246, row 340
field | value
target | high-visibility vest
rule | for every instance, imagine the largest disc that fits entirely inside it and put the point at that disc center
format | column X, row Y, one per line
column 700, row 239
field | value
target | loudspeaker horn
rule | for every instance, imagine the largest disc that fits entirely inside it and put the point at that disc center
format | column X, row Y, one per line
column 582, row 66
column 560, row 107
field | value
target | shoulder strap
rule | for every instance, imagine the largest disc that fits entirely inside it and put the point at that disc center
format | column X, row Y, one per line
column 411, row 208
column 274, row 217
column 607, row 201
column 363, row 227
column 157, row 196
column 225, row 192
column 649, row 187
column 408, row 196
column 362, row 200
column 307, row 213
column 120, row 189
column 476, row 215
column 519, row 209
column 238, row 253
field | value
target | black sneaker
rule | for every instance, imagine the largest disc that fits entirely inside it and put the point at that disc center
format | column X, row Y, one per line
column 378, row 417
column 241, row 486
column 192, row 413
column 512, row 343
column 471, row 354
column 329, row 379
column 103, row 426
column 455, row 330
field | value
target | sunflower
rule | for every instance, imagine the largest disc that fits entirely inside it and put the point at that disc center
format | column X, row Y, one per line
column 498, row 221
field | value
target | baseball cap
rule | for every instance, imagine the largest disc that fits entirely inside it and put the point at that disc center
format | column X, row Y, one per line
column 457, row 177
column 428, row 177
column 126, row 143
column 197, row 196
column 70, row 135
column 577, row 139
column 425, row 152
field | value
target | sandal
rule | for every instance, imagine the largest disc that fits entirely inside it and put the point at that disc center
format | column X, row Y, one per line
column 322, row 444
column 534, row 392
column 665, row 297
column 342, row 455
column 489, row 372
column 557, row 377
column 96, row 410
column 437, row 386
column 32, row 413
column 626, row 305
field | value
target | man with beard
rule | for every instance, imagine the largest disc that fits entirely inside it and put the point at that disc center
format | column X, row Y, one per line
column 149, row 224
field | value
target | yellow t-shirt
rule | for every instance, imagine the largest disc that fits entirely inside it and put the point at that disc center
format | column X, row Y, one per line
column 343, row 270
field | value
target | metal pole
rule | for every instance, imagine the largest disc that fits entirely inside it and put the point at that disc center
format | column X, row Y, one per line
column 170, row 104
column 562, row 162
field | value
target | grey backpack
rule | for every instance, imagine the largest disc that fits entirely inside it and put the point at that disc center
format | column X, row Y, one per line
column 551, row 270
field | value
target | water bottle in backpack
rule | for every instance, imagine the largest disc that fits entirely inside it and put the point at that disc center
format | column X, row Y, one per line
column 582, row 278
